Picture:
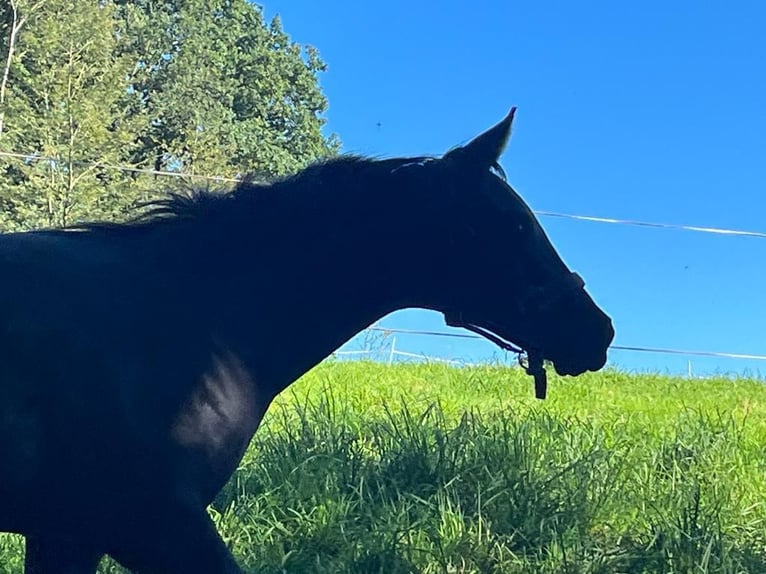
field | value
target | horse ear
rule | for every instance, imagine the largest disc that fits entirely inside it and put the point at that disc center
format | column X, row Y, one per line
column 484, row 150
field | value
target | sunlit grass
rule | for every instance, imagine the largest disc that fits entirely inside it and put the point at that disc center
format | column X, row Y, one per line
column 367, row 468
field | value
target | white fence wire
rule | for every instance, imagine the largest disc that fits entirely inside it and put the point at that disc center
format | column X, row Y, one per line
column 657, row 350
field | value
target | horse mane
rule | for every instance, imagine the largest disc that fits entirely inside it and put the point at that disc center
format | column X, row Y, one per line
column 197, row 202
column 206, row 202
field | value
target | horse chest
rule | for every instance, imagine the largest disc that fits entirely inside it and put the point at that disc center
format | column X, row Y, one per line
column 216, row 422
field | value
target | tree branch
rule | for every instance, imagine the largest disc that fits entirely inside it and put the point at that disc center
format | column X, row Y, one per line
column 16, row 25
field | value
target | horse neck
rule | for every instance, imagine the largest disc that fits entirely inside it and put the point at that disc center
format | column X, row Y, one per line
column 312, row 273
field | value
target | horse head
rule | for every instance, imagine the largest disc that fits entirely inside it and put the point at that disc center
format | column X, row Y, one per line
column 496, row 271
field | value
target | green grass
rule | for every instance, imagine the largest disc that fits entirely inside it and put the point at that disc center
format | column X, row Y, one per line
column 368, row 468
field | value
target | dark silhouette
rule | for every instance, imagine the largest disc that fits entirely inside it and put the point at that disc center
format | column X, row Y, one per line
column 136, row 360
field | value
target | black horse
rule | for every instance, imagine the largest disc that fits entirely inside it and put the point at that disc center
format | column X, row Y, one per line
column 137, row 360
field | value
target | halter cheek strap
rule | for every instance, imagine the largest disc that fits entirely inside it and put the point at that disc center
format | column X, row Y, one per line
column 531, row 360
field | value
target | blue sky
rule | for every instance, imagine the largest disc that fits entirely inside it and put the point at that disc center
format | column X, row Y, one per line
column 649, row 111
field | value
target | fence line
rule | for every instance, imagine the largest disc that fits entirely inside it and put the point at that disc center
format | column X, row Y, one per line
column 543, row 213
column 715, row 230
column 396, row 353
column 393, row 352
column 125, row 168
column 657, row 350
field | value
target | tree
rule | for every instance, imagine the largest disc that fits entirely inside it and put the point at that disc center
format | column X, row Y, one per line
column 12, row 22
column 66, row 107
column 225, row 92
column 193, row 86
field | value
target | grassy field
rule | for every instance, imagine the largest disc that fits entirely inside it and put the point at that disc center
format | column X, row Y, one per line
column 367, row 468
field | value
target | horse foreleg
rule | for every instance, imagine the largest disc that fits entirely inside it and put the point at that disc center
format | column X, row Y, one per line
column 52, row 555
column 180, row 540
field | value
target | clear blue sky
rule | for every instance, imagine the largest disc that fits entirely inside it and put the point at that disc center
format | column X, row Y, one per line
column 648, row 110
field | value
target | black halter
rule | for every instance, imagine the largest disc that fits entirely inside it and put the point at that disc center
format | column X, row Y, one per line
column 529, row 356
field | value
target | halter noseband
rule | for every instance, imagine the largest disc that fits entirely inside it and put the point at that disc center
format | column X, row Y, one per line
column 529, row 357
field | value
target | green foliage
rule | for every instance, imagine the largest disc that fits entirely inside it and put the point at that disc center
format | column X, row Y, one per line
column 368, row 468
column 65, row 95
column 198, row 87
column 223, row 90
